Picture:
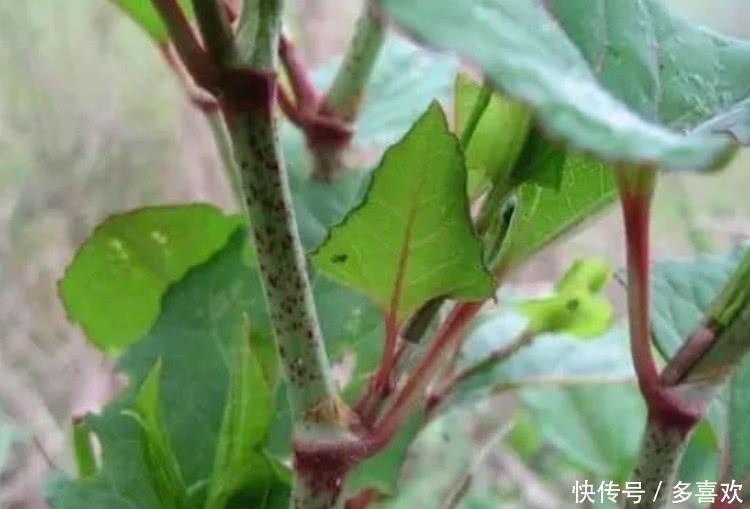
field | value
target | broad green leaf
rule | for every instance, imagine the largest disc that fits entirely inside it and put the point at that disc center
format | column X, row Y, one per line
column 113, row 286
column 543, row 215
column 498, row 137
column 548, row 359
column 597, row 428
column 683, row 292
column 193, row 336
column 622, row 81
column 163, row 470
column 411, row 239
column 240, row 460
column 144, row 15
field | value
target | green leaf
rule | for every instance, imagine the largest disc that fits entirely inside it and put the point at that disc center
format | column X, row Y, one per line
column 541, row 162
column 683, row 292
column 240, row 460
column 164, row 472
column 195, row 335
column 142, row 12
column 543, row 215
column 411, row 239
column 549, row 358
column 623, row 82
column 498, row 137
column 113, row 286
column 597, row 428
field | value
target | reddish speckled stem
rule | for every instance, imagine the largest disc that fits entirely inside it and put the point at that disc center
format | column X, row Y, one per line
column 247, row 92
column 670, row 417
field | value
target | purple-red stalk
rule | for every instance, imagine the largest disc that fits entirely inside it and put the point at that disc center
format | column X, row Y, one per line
column 664, row 405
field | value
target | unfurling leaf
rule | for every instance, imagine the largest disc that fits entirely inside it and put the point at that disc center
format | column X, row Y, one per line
column 575, row 308
column 498, row 137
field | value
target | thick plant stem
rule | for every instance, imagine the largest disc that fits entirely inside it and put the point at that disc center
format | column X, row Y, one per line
column 636, row 192
column 247, row 94
column 343, row 99
column 670, row 417
column 254, row 132
column 661, row 451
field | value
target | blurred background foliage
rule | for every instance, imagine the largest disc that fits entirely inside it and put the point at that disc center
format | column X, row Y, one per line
column 92, row 122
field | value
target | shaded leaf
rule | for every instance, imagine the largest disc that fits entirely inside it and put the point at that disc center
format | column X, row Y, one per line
column 597, row 428
column 142, row 12
column 411, row 239
column 683, row 292
column 541, row 162
column 548, row 359
column 544, row 215
column 113, row 286
column 499, row 136
column 623, row 83
column 161, row 464
column 240, row 460
column 200, row 317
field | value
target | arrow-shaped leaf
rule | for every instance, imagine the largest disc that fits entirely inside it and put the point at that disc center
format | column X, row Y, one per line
column 411, row 239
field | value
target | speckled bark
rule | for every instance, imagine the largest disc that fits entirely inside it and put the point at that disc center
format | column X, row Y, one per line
column 249, row 101
column 281, row 261
column 289, row 299
column 661, row 451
